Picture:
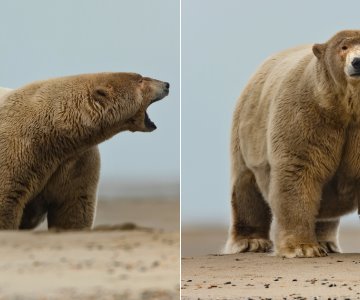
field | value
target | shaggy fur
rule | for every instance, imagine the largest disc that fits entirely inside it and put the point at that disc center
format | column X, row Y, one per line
column 3, row 91
column 295, row 150
column 49, row 132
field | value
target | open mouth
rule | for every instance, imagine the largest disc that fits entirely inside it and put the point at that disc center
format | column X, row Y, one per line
column 150, row 125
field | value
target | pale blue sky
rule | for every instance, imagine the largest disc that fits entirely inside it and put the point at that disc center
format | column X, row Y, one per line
column 223, row 42
column 41, row 39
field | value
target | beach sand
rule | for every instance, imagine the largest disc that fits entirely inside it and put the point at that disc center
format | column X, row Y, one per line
column 133, row 253
column 207, row 275
column 261, row 276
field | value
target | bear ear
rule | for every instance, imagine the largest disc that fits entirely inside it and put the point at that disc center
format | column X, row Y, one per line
column 101, row 93
column 318, row 50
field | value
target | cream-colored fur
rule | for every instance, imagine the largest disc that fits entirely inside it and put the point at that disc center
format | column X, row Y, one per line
column 3, row 92
column 49, row 132
column 295, row 150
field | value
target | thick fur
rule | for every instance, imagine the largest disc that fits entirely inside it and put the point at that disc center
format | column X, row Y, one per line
column 4, row 91
column 49, row 132
column 295, row 150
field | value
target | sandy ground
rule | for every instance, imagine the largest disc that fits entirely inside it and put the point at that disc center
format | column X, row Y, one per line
column 138, row 260
column 206, row 275
column 260, row 276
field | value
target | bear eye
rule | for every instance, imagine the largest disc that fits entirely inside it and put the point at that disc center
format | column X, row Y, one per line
column 101, row 93
column 344, row 48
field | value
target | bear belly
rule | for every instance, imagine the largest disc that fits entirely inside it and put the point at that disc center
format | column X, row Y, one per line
column 340, row 196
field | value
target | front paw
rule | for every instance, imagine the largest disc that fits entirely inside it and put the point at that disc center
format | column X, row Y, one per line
column 301, row 250
column 330, row 247
column 247, row 245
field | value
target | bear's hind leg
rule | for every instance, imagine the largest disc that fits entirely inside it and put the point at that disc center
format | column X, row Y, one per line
column 327, row 235
column 251, row 217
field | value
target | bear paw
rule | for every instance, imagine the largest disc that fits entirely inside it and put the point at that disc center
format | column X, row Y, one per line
column 248, row 245
column 330, row 247
column 302, row 250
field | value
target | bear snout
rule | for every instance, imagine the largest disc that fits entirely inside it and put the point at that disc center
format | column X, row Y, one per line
column 161, row 90
column 352, row 65
column 166, row 88
column 356, row 63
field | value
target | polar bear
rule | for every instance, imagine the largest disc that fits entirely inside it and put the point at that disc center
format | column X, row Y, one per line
column 295, row 150
column 49, row 132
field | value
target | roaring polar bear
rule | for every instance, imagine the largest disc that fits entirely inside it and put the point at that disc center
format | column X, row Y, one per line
column 49, row 132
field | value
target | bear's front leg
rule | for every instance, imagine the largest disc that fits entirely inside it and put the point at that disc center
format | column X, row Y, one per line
column 14, row 194
column 295, row 198
column 327, row 235
column 72, row 192
column 11, row 209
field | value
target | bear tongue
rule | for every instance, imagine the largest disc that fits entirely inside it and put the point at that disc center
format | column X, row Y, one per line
column 148, row 123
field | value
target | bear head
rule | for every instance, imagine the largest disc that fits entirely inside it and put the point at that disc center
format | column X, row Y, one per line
column 340, row 56
column 97, row 106
column 123, row 98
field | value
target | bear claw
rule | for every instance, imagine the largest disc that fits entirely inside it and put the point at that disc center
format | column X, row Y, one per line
column 331, row 247
column 303, row 251
column 248, row 245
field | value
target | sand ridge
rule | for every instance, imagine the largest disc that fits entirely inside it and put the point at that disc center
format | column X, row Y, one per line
column 133, row 253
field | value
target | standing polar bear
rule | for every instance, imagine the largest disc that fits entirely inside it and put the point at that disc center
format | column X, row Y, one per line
column 296, row 150
column 49, row 132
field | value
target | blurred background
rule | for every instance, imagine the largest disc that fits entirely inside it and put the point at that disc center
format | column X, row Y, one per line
column 223, row 43
column 42, row 39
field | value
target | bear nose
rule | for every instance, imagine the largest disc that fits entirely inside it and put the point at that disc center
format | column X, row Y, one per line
column 167, row 85
column 356, row 63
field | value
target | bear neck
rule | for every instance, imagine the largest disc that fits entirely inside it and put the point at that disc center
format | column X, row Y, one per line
column 69, row 143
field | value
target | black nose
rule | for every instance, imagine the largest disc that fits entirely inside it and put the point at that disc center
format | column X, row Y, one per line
column 356, row 63
column 167, row 85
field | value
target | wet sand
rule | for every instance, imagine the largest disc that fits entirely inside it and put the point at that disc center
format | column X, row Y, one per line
column 137, row 260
